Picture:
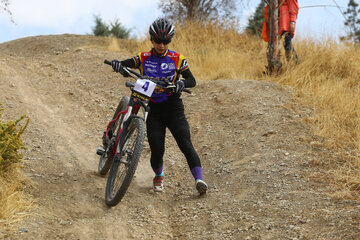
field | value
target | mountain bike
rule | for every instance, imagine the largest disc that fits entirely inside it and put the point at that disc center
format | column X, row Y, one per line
column 124, row 137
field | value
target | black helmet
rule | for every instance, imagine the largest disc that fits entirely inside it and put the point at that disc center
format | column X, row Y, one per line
column 161, row 31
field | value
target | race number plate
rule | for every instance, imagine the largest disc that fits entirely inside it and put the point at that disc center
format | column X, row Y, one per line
column 144, row 87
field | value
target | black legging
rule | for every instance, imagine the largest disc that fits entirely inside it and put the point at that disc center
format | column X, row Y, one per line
column 173, row 118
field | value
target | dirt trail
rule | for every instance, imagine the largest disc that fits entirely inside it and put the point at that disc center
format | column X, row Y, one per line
column 255, row 149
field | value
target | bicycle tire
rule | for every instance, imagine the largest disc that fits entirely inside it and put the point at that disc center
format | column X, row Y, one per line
column 108, row 156
column 121, row 174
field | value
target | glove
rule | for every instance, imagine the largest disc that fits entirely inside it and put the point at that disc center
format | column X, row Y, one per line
column 116, row 65
column 180, row 85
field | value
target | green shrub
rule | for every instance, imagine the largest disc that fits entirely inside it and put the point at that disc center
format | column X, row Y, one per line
column 117, row 29
column 10, row 141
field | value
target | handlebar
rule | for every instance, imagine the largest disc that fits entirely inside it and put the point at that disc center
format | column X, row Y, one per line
column 129, row 70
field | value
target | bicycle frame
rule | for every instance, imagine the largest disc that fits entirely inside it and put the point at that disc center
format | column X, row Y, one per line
column 130, row 112
column 137, row 100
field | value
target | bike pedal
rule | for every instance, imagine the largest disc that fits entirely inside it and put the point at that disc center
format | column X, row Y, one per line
column 100, row 151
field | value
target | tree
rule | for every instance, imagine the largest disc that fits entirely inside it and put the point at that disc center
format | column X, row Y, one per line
column 273, row 54
column 4, row 6
column 103, row 29
column 117, row 30
column 199, row 10
column 256, row 21
column 353, row 21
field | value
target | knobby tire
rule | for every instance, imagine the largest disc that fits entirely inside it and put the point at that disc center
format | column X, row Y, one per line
column 108, row 156
column 121, row 174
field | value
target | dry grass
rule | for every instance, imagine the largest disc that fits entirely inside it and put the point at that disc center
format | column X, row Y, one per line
column 327, row 80
column 226, row 53
column 14, row 202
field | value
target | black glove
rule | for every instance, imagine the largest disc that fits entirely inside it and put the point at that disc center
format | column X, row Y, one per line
column 116, row 65
column 180, row 85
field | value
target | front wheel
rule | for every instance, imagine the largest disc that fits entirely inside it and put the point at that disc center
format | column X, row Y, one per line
column 125, row 163
column 107, row 156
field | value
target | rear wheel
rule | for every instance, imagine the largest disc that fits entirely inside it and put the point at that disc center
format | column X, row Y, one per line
column 108, row 155
column 125, row 163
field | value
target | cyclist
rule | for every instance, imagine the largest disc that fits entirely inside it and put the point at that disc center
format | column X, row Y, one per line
column 166, row 109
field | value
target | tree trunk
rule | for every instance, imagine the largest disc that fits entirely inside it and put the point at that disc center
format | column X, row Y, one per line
column 273, row 54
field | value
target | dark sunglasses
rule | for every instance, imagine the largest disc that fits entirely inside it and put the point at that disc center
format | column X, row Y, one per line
column 165, row 42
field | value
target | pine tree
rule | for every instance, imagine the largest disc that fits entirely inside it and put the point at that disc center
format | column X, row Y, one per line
column 101, row 28
column 353, row 21
column 256, row 21
column 118, row 30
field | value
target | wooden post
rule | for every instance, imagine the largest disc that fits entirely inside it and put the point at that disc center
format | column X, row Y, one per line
column 273, row 54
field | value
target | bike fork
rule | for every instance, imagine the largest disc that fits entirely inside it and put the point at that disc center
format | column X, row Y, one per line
column 145, row 115
column 118, row 152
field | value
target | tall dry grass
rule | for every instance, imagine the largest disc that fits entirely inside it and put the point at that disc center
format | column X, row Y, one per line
column 327, row 80
column 212, row 53
column 15, row 203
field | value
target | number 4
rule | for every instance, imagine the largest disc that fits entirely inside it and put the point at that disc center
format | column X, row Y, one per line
column 146, row 86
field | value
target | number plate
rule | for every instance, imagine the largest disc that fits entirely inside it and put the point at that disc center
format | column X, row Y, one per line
column 144, row 87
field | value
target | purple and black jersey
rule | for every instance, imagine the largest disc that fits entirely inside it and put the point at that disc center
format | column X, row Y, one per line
column 164, row 68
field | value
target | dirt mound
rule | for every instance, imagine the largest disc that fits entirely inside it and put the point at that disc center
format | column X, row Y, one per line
column 255, row 149
column 39, row 46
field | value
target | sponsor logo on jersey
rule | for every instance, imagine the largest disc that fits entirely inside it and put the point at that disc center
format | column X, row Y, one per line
column 172, row 66
column 151, row 70
column 149, row 65
column 164, row 66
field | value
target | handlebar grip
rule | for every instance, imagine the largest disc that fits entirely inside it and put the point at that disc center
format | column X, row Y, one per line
column 107, row 62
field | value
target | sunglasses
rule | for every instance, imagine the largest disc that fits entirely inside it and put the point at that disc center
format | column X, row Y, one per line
column 165, row 42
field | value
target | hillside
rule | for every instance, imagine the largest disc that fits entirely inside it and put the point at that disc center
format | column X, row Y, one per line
column 256, row 150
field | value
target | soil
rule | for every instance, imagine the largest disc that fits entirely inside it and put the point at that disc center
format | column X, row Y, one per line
column 256, row 150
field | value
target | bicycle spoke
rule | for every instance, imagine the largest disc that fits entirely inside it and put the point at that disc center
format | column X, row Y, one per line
column 124, row 167
column 128, row 149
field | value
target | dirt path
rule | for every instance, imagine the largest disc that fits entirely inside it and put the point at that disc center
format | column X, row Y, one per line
column 255, row 149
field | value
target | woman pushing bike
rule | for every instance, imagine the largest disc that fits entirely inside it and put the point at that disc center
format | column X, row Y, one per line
column 166, row 108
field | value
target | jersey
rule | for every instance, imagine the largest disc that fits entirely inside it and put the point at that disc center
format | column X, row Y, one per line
column 165, row 68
